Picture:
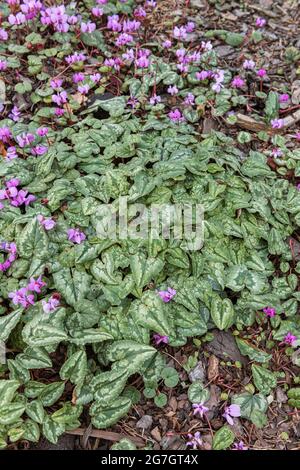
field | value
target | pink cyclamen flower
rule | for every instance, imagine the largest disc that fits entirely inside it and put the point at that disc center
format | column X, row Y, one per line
column 78, row 77
column 5, row 134
column 84, row 89
column 270, row 312
column 158, row 339
column 172, row 90
column 249, row 64
column 47, row 223
column 276, row 152
column 11, row 153
column 25, row 139
column 295, row 136
column 277, row 123
column 35, row 285
column 96, row 77
column 3, row 34
column 51, row 305
column 139, row 12
column 39, row 150
column 88, row 27
column 237, row 82
column 167, row 44
column 180, row 33
column 190, row 26
column 290, row 339
column 167, row 295
column 189, row 99
column 239, row 446
column 97, row 12
column 232, row 411
column 21, row 297
column 261, row 73
column 3, row 65
column 60, row 98
column 284, row 98
column 59, row 112
column 15, row 114
column 199, row 409
column 155, row 99
column 75, row 236
column 42, row 131
column 260, row 22
column 176, row 116
column 56, row 83
column 195, row 440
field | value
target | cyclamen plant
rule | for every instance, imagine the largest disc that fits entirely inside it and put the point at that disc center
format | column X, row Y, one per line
column 94, row 111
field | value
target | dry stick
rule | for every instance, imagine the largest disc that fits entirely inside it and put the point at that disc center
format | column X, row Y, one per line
column 249, row 123
column 107, row 435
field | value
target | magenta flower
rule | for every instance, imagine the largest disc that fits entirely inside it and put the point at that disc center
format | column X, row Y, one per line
column 97, row 12
column 189, row 99
column 270, row 312
column 59, row 112
column 203, row 75
column 11, row 249
column 56, row 83
column 180, row 33
column 237, row 82
column 88, row 27
column 113, row 23
column 261, row 73
column 249, row 64
column 5, row 134
column 290, row 339
column 295, row 136
column 21, row 297
column 47, row 223
column 260, row 22
column 232, row 411
column 206, row 45
column 195, row 440
column 139, row 12
column 39, row 150
column 3, row 65
column 60, row 98
column 17, row 19
column 155, row 99
column 75, row 58
column 284, row 98
column 25, row 139
column 199, row 409
column 167, row 295
column 96, row 77
column 75, row 236
column 84, row 89
column 239, row 446
column 176, row 116
column 123, row 39
column 78, row 77
column 158, row 339
column 190, row 26
column 172, row 90
column 3, row 35
column 277, row 123
column 42, row 131
column 276, row 152
column 35, row 285
column 11, row 153
column 51, row 305
column 167, row 44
